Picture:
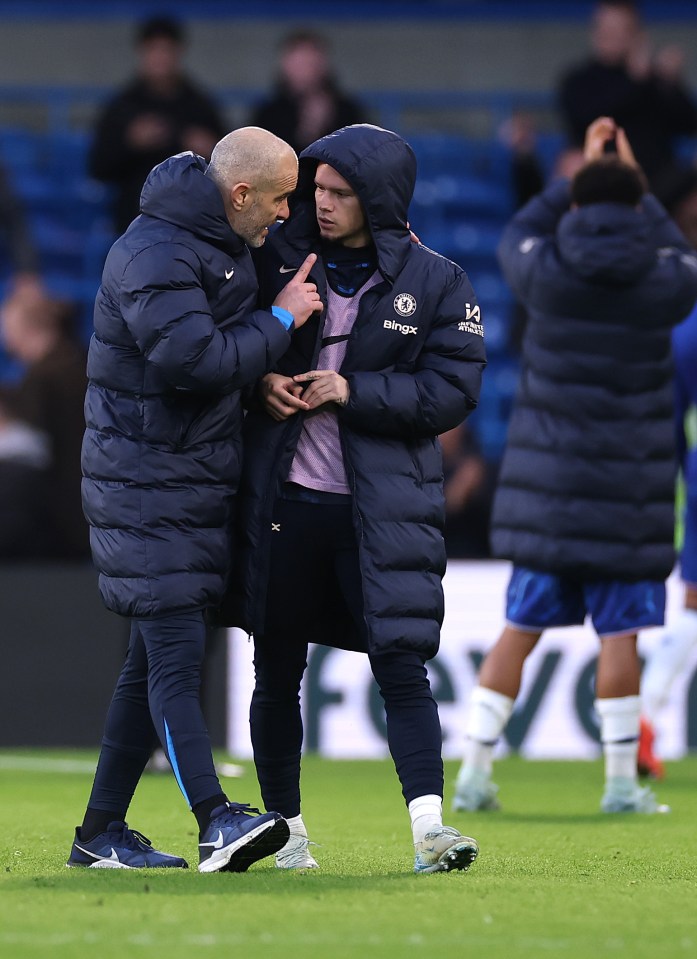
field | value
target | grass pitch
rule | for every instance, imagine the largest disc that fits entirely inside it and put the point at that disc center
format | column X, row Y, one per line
column 554, row 876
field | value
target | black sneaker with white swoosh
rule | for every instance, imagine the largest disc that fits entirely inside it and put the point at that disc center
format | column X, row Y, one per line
column 239, row 835
column 120, row 848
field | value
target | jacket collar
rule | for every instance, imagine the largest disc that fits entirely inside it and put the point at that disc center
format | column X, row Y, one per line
column 178, row 191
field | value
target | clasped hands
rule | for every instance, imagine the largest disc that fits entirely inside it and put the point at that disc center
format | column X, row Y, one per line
column 602, row 131
column 284, row 396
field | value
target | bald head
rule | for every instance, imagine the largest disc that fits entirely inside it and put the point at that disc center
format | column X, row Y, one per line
column 250, row 154
column 255, row 172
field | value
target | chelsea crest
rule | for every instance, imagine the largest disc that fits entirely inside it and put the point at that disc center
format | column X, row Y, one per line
column 405, row 304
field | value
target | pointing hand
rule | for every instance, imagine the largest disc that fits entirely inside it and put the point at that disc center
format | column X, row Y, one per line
column 300, row 297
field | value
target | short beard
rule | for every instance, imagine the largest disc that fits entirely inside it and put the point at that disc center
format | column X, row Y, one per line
column 251, row 231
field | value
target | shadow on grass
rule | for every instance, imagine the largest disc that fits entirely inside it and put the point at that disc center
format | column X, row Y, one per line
column 191, row 883
column 566, row 819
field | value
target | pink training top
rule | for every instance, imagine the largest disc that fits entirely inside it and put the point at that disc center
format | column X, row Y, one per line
column 319, row 462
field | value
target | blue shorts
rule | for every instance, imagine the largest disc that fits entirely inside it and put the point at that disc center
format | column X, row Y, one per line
column 537, row 601
column 688, row 553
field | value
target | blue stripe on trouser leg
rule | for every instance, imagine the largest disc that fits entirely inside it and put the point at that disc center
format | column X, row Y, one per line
column 172, row 753
column 129, row 735
column 161, row 677
column 175, row 647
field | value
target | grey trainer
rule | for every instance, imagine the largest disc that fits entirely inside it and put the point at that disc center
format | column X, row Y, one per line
column 296, row 855
column 444, row 850
column 625, row 795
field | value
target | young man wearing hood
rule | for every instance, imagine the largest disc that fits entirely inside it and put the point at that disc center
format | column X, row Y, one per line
column 584, row 507
column 342, row 495
column 177, row 337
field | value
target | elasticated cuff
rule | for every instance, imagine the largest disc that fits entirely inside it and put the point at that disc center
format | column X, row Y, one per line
column 286, row 318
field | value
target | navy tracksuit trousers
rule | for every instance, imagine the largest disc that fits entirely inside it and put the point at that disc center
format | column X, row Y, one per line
column 157, row 698
column 315, row 568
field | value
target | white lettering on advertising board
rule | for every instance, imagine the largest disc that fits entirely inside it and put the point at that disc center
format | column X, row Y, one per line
column 554, row 718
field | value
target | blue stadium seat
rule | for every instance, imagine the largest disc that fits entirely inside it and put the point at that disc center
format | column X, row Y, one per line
column 22, row 149
column 455, row 194
column 461, row 203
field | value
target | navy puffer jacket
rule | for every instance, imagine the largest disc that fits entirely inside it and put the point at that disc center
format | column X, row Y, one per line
column 587, row 480
column 414, row 369
column 176, row 336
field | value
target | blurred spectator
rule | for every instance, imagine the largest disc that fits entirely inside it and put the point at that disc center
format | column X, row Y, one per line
column 18, row 244
column 678, row 193
column 643, row 92
column 24, row 488
column 519, row 135
column 307, row 103
column 50, row 397
column 468, row 488
column 529, row 178
column 568, row 163
column 158, row 114
column 583, row 507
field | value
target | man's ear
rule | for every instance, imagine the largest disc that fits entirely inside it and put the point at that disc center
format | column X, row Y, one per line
column 239, row 195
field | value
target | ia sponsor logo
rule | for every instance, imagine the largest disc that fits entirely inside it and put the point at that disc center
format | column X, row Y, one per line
column 472, row 322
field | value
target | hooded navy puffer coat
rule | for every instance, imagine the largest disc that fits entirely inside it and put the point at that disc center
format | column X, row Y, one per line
column 414, row 369
column 587, row 480
column 176, row 336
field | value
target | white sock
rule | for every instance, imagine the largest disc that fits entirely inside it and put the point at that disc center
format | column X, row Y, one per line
column 297, row 826
column 426, row 814
column 666, row 661
column 619, row 734
column 489, row 712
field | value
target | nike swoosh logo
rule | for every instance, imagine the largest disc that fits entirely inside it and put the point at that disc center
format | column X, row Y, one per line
column 218, row 844
column 112, row 858
column 288, row 269
column 229, row 274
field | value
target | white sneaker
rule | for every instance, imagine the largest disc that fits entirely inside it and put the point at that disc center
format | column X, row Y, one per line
column 295, row 854
column 443, row 850
column 474, row 792
column 625, row 795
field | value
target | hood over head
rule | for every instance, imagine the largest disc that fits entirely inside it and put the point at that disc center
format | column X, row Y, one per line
column 606, row 242
column 381, row 168
column 178, row 191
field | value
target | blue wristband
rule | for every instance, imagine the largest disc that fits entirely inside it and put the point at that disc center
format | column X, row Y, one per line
column 284, row 316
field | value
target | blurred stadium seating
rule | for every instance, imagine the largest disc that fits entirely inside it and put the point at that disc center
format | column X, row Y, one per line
column 462, row 200
column 464, row 192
